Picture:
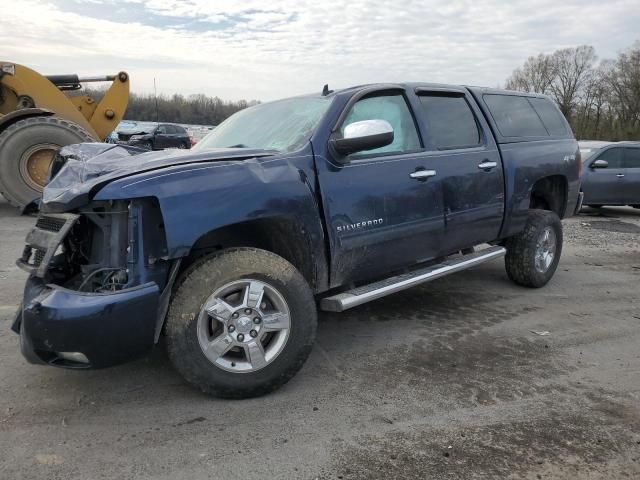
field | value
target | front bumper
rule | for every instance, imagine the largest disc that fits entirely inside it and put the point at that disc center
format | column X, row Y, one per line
column 56, row 324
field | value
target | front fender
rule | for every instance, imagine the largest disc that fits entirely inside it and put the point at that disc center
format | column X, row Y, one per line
column 198, row 198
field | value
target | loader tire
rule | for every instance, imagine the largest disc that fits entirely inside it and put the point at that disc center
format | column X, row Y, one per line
column 27, row 148
column 533, row 254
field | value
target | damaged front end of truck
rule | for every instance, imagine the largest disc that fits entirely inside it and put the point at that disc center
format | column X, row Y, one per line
column 94, row 297
column 100, row 270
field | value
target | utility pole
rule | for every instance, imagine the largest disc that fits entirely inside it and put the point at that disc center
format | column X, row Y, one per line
column 155, row 94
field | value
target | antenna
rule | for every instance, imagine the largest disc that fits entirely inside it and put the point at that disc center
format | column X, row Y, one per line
column 325, row 90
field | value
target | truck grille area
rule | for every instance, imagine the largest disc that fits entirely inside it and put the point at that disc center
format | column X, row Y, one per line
column 50, row 224
column 44, row 240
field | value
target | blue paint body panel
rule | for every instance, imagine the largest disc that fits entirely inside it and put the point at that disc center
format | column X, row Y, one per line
column 107, row 328
column 360, row 219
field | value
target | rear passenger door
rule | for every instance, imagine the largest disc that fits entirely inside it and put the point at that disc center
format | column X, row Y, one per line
column 172, row 138
column 632, row 175
column 181, row 138
column 467, row 161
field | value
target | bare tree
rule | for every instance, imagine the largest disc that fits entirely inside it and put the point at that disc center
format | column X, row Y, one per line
column 572, row 68
column 624, row 82
column 601, row 101
column 536, row 75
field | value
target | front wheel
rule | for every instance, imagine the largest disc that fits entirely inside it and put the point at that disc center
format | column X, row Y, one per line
column 241, row 323
column 533, row 254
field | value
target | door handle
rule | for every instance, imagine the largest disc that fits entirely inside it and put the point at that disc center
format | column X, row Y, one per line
column 620, row 175
column 487, row 165
column 419, row 174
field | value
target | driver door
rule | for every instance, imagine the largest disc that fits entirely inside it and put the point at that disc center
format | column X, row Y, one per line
column 381, row 214
column 604, row 186
column 161, row 137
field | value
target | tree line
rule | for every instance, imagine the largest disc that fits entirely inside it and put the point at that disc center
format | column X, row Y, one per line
column 196, row 109
column 600, row 99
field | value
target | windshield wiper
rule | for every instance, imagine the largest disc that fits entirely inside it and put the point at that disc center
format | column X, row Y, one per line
column 238, row 145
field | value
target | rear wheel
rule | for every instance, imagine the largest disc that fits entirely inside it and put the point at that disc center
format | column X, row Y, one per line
column 533, row 254
column 27, row 148
column 241, row 323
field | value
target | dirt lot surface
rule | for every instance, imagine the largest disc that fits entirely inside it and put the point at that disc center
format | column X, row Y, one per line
column 446, row 380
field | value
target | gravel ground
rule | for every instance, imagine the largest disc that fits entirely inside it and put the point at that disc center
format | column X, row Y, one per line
column 446, row 380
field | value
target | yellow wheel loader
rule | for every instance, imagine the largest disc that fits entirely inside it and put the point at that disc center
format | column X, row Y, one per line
column 39, row 114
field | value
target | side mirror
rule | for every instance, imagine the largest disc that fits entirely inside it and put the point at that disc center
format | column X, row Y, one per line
column 364, row 135
column 599, row 164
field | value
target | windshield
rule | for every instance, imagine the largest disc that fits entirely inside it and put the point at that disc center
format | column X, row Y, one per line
column 285, row 125
column 588, row 152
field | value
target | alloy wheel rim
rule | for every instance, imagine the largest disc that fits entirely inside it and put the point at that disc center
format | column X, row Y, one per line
column 545, row 250
column 243, row 326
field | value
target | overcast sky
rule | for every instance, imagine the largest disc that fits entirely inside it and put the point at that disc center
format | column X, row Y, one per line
column 270, row 49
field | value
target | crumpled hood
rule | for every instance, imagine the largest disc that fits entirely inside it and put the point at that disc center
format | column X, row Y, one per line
column 88, row 166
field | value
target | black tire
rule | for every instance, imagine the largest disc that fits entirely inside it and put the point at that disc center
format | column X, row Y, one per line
column 521, row 250
column 18, row 138
column 199, row 282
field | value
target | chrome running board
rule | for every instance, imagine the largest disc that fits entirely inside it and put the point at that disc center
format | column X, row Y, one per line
column 352, row 298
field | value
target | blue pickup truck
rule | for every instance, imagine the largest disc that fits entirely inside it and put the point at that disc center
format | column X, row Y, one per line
column 321, row 201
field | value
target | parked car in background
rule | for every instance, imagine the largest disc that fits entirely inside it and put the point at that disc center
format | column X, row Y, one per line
column 156, row 137
column 611, row 174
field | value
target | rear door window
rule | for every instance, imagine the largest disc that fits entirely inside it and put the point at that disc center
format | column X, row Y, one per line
column 632, row 158
column 550, row 115
column 394, row 109
column 450, row 122
column 613, row 156
column 514, row 116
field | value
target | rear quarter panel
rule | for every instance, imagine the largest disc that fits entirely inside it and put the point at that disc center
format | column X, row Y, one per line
column 527, row 160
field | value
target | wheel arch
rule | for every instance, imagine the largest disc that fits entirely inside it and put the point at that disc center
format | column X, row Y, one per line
column 278, row 234
column 550, row 193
